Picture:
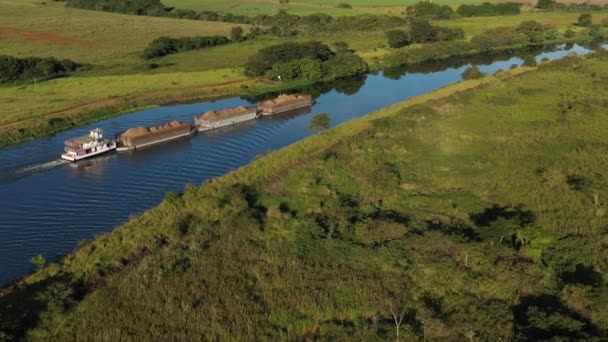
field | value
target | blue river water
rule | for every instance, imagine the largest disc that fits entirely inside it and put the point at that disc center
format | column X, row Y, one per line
column 48, row 206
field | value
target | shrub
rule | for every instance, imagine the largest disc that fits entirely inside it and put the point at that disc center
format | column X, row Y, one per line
column 345, row 65
column 164, row 46
column 428, row 9
column 344, row 5
column 397, row 38
column 319, row 122
column 422, row 31
column 569, row 33
column 584, row 20
column 472, row 73
column 13, row 69
column 139, row 7
column 260, row 63
column 605, row 22
column 488, row 9
column 545, row 4
column 236, row 33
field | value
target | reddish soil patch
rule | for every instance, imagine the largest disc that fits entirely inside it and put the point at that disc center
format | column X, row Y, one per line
column 41, row 36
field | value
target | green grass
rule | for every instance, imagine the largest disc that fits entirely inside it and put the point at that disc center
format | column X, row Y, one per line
column 323, row 238
column 107, row 40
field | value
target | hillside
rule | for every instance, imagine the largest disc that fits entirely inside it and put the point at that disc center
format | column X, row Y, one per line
column 476, row 212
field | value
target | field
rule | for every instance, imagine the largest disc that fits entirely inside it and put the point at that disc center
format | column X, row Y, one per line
column 492, row 186
column 112, row 43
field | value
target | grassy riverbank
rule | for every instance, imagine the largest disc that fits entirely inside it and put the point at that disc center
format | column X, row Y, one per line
column 492, row 186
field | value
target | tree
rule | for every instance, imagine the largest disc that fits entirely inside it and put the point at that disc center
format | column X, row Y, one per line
column 422, row 31
column 545, row 4
column 39, row 261
column 319, row 122
column 584, row 20
column 397, row 38
column 236, row 33
column 345, row 65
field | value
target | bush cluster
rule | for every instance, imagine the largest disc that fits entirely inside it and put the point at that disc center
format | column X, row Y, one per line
column 308, row 61
column 487, row 9
column 422, row 31
column 139, row 7
column 528, row 33
column 164, row 46
column 34, row 69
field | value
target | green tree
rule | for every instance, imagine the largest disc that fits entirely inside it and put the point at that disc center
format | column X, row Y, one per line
column 39, row 261
column 236, row 33
column 397, row 38
column 422, row 31
column 545, row 4
column 584, row 20
column 319, row 122
column 345, row 65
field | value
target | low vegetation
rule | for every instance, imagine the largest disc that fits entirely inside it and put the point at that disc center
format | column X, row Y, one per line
column 164, row 46
column 308, row 61
column 34, row 69
column 494, row 186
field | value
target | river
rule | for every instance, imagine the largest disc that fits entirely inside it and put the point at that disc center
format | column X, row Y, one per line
column 49, row 206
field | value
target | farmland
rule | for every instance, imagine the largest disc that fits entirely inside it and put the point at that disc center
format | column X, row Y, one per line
column 118, row 78
column 491, row 186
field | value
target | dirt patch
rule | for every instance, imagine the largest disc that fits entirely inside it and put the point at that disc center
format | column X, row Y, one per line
column 41, row 36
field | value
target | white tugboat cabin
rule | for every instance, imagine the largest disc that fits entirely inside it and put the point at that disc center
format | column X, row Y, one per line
column 88, row 146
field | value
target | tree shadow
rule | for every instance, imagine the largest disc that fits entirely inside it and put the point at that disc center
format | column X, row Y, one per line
column 545, row 317
column 21, row 307
column 496, row 212
column 454, row 229
column 583, row 275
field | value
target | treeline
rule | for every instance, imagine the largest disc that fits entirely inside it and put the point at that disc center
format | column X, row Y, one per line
column 487, row 9
column 528, row 33
column 308, row 61
column 164, row 46
column 554, row 5
column 34, row 69
column 138, row 7
column 422, row 31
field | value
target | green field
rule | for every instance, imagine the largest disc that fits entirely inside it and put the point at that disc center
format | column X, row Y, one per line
column 112, row 43
column 476, row 212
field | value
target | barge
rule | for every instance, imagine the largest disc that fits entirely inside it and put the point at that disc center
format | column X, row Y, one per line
column 220, row 118
column 139, row 137
column 284, row 103
column 87, row 146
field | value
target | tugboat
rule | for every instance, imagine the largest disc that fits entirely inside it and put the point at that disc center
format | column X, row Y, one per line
column 88, row 146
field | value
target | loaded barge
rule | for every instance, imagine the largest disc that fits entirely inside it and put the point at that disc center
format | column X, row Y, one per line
column 87, row 146
column 139, row 137
column 284, row 103
column 220, row 118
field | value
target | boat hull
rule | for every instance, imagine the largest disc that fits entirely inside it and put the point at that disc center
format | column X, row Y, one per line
column 89, row 155
column 202, row 128
column 129, row 148
column 286, row 109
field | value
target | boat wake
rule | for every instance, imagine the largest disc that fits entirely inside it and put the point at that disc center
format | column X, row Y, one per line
column 41, row 167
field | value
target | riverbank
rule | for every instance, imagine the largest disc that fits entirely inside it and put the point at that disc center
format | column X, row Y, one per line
column 439, row 178
column 183, row 90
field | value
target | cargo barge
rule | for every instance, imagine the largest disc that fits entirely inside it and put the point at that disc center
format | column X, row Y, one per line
column 284, row 103
column 139, row 137
column 87, row 146
column 220, row 118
